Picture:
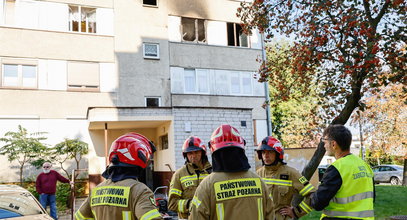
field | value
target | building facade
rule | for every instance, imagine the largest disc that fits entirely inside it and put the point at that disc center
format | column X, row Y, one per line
column 97, row 69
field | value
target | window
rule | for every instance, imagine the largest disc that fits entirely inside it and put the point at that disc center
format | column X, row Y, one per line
column 19, row 75
column 164, row 142
column 150, row 2
column 151, row 50
column 153, row 101
column 82, row 19
column 196, row 81
column 236, row 36
column 193, row 30
column 83, row 76
column 241, row 83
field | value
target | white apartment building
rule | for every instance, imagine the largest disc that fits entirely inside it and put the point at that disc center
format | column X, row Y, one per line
column 97, row 69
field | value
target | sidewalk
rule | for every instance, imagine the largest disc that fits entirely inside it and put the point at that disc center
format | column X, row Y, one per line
column 78, row 203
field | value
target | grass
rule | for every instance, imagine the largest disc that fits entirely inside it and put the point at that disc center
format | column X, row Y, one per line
column 390, row 201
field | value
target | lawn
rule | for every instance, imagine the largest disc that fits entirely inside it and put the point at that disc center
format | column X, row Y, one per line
column 390, row 201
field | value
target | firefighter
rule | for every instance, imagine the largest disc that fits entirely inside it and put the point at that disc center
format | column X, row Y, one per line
column 347, row 188
column 121, row 195
column 187, row 178
column 282, row 181
column 231, row 191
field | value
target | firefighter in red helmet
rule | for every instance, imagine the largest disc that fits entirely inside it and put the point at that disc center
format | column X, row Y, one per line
column 186, row 179
column 231, row 191
column 121, row 195
column 282, row 181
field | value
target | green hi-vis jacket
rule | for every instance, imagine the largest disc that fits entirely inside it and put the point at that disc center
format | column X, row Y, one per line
column 183, row 185
column 231, row 195
column 283, row 182
column 355, row 197
column 127, row 199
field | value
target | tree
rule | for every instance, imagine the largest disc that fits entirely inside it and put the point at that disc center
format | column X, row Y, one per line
column 69, row 149
column 296, row 116
column 23, row 147
column 346, row 44
column 384, row 121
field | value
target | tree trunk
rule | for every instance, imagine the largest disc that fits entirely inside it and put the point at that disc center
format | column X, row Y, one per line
column 21, row 175
column 405, row 173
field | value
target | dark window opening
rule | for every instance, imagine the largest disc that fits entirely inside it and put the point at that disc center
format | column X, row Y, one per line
column 152, row 102
column 236, row 36
column 150, row 2
column 193, row 30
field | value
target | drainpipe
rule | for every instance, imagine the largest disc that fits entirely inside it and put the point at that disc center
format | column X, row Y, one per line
column 266, row 87
column 106, row 148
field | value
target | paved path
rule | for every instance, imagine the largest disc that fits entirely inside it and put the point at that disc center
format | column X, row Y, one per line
column 78, row 203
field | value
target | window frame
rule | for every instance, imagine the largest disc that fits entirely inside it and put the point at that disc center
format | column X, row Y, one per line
column 236, row 37
column 196, row 30
column 152, row 97
column 20, row 75
column 241, row 76
column 151, row 57
column 70, row 26
column 148, row 5
column 196, row 90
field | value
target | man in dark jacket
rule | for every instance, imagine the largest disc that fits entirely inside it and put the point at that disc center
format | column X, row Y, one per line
column 46, row 186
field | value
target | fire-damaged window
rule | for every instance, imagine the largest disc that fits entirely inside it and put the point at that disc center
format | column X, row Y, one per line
column 193, row 30
column 236, row 36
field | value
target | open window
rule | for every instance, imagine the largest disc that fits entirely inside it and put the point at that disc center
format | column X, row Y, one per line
column 236, row 36
column 193, row 30
column 82, row 19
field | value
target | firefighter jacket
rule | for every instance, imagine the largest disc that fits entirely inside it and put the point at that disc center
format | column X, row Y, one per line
column 125, row 199
column 346, row 190
column 183, row 185
column 283, row 182
column 231, row 195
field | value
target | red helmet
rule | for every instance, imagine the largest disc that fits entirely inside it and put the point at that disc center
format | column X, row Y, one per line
column 130, row 150
column 270, row 143
column 191, row 144
column 226, row 136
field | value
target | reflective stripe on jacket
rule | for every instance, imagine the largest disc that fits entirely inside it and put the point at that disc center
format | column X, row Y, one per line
column 183, row 185
column 283, row 182
column 355, row 197
column 126, row 199
column 235, row 195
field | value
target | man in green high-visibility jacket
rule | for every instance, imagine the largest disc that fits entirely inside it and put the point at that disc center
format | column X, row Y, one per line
column 347, row 188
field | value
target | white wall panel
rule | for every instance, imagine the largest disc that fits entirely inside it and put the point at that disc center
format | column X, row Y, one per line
column 174, row 28
column 109, row 79
column 42, row 75
column 57, row 75
column 222, row 82
column 258, row 88
column 104, row 21
column 216, row 33
column 27, row 14
column 53, row 16
column 1, row 12
column 177, row 80
column 255, row 39
column 261, row 130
